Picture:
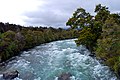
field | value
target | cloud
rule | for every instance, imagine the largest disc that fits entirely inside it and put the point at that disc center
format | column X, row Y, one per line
column 48, row 12
column 56, row 12
column 11, row 10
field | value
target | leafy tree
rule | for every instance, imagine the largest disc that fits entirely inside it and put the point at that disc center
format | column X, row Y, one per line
column 102, row 13
column 109, row 44
column 91, row 29
column 14, row 38
column 99, row 33
column 80, row 19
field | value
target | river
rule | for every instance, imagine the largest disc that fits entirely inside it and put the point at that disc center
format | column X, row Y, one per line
column 48, row 61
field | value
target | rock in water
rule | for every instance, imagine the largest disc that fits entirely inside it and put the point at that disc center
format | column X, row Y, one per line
column 92, row 55
column 10, row 75
column 64, row 76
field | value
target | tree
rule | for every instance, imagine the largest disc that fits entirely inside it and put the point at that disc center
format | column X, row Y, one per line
column 109, row 44
column 100, row 33
column 80, row 19
column 91, row 29
column 102, row 13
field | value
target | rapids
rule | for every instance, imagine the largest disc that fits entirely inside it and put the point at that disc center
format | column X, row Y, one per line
column 48, row 61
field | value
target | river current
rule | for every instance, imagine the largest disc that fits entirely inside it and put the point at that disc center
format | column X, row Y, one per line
column 48, row 61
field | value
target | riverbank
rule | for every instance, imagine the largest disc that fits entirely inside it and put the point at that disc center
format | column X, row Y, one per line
column 49, row 61
column 100, row 34
column 15, row 38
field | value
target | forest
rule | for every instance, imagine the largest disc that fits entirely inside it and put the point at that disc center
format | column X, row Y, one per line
column 100, row 34
column 15, row 38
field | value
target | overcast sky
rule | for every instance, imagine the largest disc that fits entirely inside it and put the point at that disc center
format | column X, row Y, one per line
column 47, row 12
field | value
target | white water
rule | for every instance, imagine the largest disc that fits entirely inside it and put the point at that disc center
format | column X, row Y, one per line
column 48, row 61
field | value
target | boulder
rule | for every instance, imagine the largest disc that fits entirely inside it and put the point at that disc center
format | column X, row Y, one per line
column 10, row 75
column 64, row 76
column 92, row 55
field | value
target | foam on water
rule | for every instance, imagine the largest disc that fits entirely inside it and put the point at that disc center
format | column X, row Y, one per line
column 47, row 62
column 1, row 76
column 18, row 79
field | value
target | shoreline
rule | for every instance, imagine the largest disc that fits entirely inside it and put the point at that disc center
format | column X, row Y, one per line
column 19, row 53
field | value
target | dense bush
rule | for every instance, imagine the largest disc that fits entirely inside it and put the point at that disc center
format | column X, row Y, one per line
column 109, row 45
column 14, row 38
column 100, row 34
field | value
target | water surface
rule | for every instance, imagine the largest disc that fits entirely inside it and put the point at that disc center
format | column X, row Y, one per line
column 48, row 61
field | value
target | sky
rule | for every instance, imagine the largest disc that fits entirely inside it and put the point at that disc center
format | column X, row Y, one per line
column 53, row 13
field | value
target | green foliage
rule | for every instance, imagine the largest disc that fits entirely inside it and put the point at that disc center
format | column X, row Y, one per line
column 8, row 36
column 100, row 33
column 117, row 69
column 102, row 13
column 111, row 61
column 91, row 29
column 80, row 19
column 14, row 40
column 86, row 38
column 109, row 44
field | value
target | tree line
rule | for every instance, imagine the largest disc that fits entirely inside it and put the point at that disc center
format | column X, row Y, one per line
column 15, row 38
column 100, row 34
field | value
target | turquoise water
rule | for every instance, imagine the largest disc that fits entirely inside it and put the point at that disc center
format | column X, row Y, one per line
column 48, row 61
